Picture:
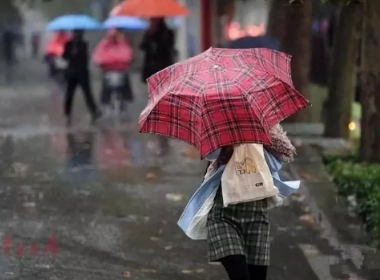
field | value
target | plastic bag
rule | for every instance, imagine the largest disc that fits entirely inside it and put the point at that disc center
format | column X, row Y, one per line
column 193, row 220
column 112, row 54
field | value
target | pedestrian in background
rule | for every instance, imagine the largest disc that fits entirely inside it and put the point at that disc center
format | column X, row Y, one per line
column 114, row 55
column 158, row 45
column 9, row 42
column 35, row 44
column 78, row 74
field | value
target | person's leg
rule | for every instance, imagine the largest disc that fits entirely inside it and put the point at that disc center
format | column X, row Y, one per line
column 105, row 94
column 69, row 97
column 236, row 267
column 258, row 272
column 89, row 98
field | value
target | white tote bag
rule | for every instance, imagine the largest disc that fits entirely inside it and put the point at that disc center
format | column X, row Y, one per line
column 247, row 176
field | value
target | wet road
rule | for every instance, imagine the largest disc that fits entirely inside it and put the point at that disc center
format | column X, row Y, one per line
column 102, row 203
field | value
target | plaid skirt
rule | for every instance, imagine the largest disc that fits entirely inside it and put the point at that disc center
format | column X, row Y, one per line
column 241, row 229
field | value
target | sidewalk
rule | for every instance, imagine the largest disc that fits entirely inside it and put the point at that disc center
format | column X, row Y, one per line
column 344, row 233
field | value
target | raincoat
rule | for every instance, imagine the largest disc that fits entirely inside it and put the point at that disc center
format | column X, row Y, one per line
column 113, row 53
column 56, row 45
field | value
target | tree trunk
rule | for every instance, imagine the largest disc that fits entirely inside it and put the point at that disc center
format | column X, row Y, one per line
column 342, row 87
column 297, row 42
column 370, row 94
column 276, row 28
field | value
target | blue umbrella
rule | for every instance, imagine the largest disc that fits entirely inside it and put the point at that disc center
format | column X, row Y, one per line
column 175, row 22
column 131, row 23
column 73, row 22
column 254, row 42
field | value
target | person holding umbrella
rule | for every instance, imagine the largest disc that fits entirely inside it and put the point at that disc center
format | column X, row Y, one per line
column 76, row 55
column 114, row 55
column 222, row 101
column 158, row 42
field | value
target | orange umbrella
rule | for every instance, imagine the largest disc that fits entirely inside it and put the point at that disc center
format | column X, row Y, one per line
column 149, row 8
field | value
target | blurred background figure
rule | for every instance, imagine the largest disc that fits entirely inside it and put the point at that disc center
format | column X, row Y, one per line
column 8, row 46
column 158, row 47
column 78, row 74
column 35, row 42
column 53, row 54
column 114, row 55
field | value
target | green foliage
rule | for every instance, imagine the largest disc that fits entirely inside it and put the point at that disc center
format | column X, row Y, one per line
column 362, row 181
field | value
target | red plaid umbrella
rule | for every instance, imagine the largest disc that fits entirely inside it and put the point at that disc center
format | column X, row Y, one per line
column 222, row 97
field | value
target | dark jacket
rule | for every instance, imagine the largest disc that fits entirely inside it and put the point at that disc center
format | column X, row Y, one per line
column 8, row 40
column 159, row 51
column 76, row 54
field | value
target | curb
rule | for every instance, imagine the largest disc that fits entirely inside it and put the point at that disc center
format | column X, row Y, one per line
column 346, row 233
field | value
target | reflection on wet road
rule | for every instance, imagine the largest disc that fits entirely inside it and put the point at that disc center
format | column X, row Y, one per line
column 104, row 192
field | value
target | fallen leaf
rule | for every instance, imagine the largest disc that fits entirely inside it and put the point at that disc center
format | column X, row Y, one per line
column 126, row 274
column 309, row 250
column 168, row 248
column 200, row 270
column 174, row 197
column 29, row 204
column 214, row 263
column 151, row 176
column 283, row 229
column 42, row 266
column 191, row 152
column 307, row 210
column 153, row 238
column 299, row 198
column 187, row 271
column 305, row 176
column 324, row 236
column 307, row 219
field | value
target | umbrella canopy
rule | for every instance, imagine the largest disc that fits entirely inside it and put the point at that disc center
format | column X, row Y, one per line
column 149, row 8
column 255, row 42
column 222, row 97
column 125, row 22
column 73, row 22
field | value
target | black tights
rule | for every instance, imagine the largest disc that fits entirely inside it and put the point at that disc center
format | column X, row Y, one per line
column 238, row 269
